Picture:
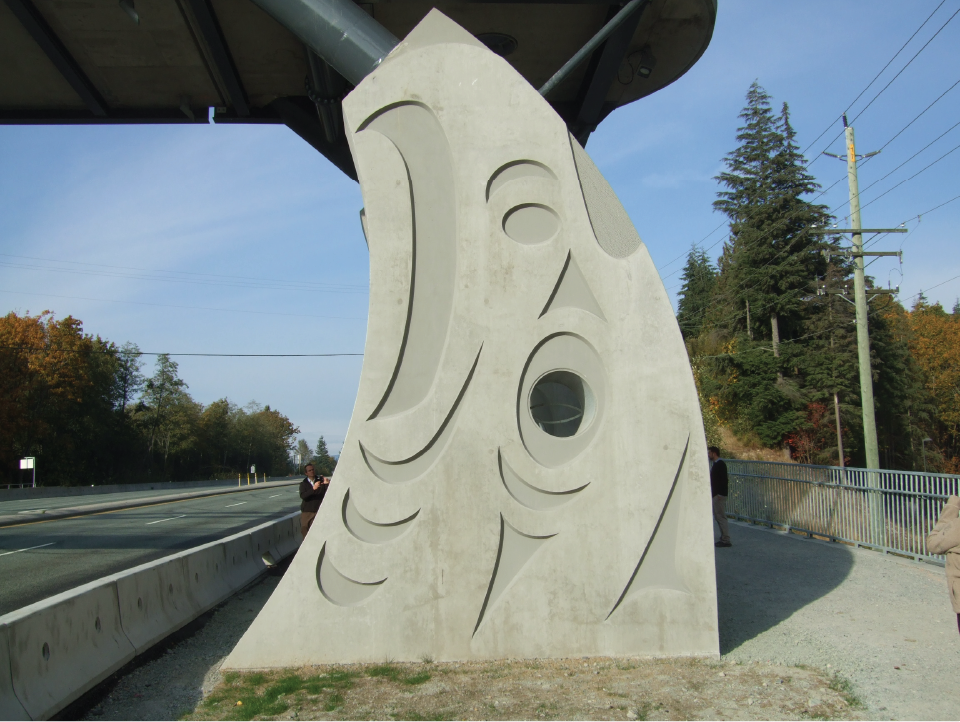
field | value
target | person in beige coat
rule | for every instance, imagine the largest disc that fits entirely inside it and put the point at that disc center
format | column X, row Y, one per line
column 945, row 539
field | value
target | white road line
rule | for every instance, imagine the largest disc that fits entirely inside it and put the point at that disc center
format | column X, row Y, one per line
column 237, row 504
column 32, row 511
column 271, row 497
column 167, row 519
column 27, row 549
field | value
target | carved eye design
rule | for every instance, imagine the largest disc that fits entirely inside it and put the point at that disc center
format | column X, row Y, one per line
column 531, row 223
column 561, row 399
column 533, row 220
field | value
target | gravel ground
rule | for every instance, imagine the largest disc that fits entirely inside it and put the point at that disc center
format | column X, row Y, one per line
column 883, row 623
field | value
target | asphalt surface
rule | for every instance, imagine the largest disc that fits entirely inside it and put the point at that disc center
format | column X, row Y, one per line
column 41, row 504
column 41, row 558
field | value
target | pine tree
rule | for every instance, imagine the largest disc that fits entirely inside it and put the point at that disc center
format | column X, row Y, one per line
column 830, row 367
column 904, row 410
column 770, row 260
column 324, row 463
column 767, row 270
column 696, row 292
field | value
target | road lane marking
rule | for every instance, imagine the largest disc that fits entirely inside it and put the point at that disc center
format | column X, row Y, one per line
column 33, row 511
column 169, row 519
column 110, row 511
column 271, row 497
column 237, row 504
column 17, row 551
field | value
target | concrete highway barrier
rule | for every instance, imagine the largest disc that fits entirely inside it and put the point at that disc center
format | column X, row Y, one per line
column 67, row 643
column 10, row 707
column 54, row 651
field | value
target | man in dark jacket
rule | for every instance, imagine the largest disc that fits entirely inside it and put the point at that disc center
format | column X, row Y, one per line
column 718, row 490
column 312, row 491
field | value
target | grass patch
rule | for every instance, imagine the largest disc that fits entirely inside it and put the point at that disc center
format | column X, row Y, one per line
column 842, row 686
column 418, row 678
column 395, row 674
column 385, row 670
column 246, row 696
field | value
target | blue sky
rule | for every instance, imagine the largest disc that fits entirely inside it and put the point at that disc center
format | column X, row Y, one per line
column 243, row 239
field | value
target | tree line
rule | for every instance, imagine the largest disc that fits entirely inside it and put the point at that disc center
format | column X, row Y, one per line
column 90, row 414
column 774, row 353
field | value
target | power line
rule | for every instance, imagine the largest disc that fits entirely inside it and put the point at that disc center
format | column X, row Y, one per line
column 191, row 308
column 932, row 37
column 925, row 168
column 824, row 131
column 917, row 295
column 899, row 73
column 850, row 105
column 895, row 55
column 162, row 353
column 750, row 217
column 919, row 115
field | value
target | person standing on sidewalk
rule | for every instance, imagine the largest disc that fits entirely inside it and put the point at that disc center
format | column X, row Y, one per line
column 718, row 490
column 312, row 491
column 945, row 539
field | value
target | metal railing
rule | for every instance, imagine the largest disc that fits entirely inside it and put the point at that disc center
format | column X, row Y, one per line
column 891, row 511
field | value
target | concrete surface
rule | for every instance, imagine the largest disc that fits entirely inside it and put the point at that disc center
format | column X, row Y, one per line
column 525, row 472
column 64, row 645
column 884, row 623
column 42, row 558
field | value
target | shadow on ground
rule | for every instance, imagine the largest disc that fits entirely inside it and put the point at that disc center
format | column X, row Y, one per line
column 764, row 578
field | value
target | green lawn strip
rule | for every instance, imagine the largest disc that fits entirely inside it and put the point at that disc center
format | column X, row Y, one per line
column 245, row 696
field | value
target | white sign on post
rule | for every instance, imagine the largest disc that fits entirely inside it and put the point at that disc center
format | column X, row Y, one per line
column 30, row 462
column 253, row 469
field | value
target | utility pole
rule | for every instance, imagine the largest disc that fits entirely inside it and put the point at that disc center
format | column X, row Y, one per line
column 856, row 231
column 871, row 447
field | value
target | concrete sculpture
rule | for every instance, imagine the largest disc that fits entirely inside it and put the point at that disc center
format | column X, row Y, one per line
column 525, row 471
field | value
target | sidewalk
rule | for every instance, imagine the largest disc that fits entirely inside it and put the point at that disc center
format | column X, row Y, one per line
column 885, row 624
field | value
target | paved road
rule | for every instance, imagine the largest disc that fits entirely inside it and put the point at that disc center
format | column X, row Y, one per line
column 40, row 504
column 41, row 558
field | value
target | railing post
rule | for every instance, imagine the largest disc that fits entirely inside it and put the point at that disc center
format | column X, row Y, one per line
column 878, row 526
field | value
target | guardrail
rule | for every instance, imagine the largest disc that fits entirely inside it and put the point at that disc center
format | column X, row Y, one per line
column 891, row 511
column 54, row 651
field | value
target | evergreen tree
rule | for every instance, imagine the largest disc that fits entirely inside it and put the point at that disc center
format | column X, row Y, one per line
column 696, row 292
column 904, row 411
column 322, row 461
column 767, row 271
column 770, row 260
column 830, row 367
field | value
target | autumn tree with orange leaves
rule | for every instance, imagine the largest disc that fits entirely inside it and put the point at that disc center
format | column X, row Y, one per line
column 935, row 345
column 83, row 407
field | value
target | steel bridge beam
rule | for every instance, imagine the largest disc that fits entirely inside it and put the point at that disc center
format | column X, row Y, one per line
column 43, row 35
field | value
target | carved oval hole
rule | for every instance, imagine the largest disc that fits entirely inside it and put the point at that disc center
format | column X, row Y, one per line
column 561, row 402
column 531, row 223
